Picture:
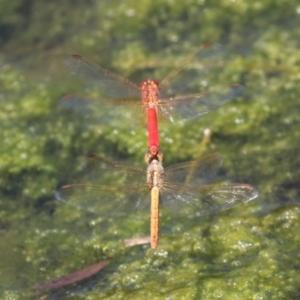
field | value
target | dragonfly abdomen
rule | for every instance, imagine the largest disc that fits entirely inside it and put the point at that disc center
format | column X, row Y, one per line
column 154, row 224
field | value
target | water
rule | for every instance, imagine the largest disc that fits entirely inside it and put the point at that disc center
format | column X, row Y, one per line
column 249, row 252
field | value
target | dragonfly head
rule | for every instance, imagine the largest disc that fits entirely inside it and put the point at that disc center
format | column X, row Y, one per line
column 149, row 83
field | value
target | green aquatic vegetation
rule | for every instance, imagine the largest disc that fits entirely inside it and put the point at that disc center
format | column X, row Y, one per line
column 246, row 253
column 229, row 257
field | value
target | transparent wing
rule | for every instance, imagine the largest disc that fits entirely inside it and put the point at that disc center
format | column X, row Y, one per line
column 194, row 105
column 206, row 199
column 104, row 200
column 97, row 111
column 104, row 171
column 194, row 173
column 106, row 82
column 197, row 70
column 199, row 73
column 120, row 92
column 107, row 188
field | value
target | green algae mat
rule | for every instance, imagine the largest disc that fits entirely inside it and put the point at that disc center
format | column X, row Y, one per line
column 248, row 252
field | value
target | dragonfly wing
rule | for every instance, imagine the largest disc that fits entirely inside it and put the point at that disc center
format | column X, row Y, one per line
column 106, row 82
column 194, row 173
column 101, row 170
column 194, row 105
column 204, row 61
column 104, row 200
column 106, row 186
column 206, row 199
column 97, row 111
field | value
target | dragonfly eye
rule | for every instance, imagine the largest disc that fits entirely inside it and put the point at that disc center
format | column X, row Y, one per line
column 148, row 158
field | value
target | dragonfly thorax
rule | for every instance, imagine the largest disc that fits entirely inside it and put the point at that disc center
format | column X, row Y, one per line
column 150, row 92
column 155, row 173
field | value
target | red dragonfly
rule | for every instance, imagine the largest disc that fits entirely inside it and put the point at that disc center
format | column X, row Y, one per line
column 115, row 189
column 157, row 99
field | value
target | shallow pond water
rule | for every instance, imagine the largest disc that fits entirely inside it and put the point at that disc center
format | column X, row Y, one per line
column 248, row 252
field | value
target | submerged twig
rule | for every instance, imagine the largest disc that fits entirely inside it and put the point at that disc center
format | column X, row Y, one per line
column 75, row 276
column 137, row 241
column 87, row 271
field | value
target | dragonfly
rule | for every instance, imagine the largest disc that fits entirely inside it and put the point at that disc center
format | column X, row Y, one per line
column 159, row 100
column 115, row 189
